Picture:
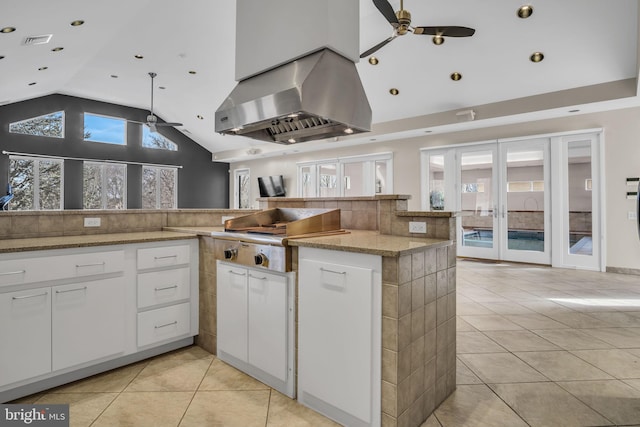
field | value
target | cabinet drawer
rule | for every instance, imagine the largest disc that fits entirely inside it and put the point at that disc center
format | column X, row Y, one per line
column 38, row 269
column 163, row 324
column 162, row 257
column 160, row 287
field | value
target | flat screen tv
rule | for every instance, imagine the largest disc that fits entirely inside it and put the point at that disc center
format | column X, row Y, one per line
column 271, row 186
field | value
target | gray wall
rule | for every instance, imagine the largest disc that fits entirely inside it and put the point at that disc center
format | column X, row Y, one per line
column 201, row 182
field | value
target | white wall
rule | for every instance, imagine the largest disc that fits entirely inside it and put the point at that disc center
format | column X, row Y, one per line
column 622, row 160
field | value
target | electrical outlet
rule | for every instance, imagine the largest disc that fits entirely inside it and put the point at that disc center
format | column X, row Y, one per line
column 417, row 227
column 226, row 217
column 632, row 215
column 92, row 222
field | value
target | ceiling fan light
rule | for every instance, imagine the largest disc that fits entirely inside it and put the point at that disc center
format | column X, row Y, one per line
column 525, row 11
column 437, row 40
column 536, row 57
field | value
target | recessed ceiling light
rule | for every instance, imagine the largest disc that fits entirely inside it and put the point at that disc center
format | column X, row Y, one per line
column 8, row 30
column 373, row 60
column 43, row 68
column 456, row 76
column 57, row 49
column 138, row 56
column 77, row 23
column 192, row 72
column 437, row 40
column 525, row 11
column 200, row 117
column 32, row 83
column 393, row 91
column 536, row 57
column 113, row 76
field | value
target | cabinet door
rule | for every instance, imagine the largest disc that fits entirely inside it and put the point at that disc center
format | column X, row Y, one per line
column 25, row 334
column 232, row 311
column 335, row 335
column 88, row 321
column 268, row 323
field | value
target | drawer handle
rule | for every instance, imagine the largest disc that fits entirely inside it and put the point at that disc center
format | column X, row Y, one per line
column 72, row 290
column 10, row 273
column 166, row 287
column 237, row 274
column 165, row 257
column 31, row 296
column 166, row 324
column 332, row 271
column 94, row 264
column 256, row 277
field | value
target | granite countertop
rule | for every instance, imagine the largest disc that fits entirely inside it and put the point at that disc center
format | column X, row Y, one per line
column 62, row 242
column 370, row 242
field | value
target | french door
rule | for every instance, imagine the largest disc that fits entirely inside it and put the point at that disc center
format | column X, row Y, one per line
column 503, row 189
column 514, row 195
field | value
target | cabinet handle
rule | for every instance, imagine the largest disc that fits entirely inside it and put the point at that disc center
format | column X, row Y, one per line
column 256, row 277
column 94, row 264
column 9, row 273
column 237, row 274
column 332, row 271
column 166, row 287
column 165, row 257
column 166, row 324
column 72, row 290
column 31, row 296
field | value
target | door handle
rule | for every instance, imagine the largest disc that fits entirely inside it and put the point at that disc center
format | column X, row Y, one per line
column 71, row 290
column 31, row 296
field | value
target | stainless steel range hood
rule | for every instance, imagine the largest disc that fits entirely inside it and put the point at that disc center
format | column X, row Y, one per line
column 315, row 97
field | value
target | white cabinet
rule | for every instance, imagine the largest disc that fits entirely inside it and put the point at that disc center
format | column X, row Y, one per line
column 232, row 311
column 167, row 290
column 87, row 321
column 25, row 333
column 339, row 303
column 255, row 321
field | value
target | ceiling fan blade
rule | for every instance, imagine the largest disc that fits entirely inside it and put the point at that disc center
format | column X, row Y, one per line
column 378, row 46
column 387, row 11
column 447, row 31
column 169, row 124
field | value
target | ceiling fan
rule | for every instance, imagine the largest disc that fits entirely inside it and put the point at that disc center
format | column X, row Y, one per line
column 152, row 119
column 401, row 23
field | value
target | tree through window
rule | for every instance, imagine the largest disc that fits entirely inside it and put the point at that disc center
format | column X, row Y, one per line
column 36, row 182
column 51, row 125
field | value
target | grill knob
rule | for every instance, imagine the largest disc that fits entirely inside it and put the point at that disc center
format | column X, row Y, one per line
column 261, row 259
column 230, row 253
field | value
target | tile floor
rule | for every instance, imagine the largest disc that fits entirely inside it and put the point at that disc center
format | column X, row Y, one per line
column 536, row 347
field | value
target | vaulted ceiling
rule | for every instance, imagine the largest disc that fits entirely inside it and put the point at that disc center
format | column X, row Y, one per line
column 590, row 62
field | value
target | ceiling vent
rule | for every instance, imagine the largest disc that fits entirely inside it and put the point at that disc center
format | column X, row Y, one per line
column 31, row 40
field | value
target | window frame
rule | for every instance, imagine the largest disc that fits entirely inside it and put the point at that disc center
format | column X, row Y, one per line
column 36, row 180
column 103, row 178
column 158, row 189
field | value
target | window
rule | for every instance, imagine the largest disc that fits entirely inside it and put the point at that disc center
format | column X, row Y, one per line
column 109, row 130
column 155, row 140
column 36, row 182
column 104, row 185
column 524, row 186
column 347, row 176
column 477, row 187
column 241, row 199
column 51, row 125
column 159, row 187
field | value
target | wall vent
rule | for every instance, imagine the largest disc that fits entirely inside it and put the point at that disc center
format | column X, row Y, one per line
column 31, row 40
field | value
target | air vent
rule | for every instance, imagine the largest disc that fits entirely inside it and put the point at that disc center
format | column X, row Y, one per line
column 31, row 40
